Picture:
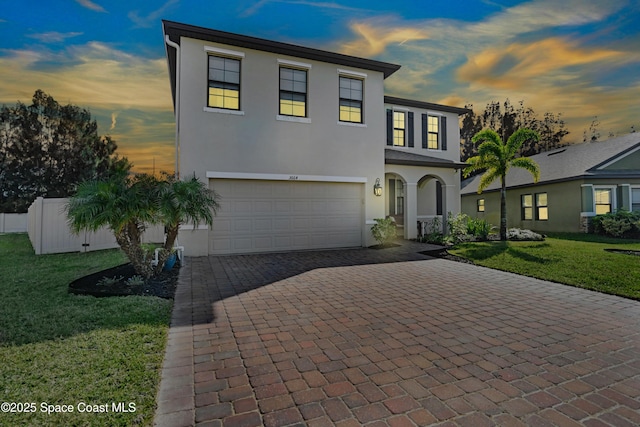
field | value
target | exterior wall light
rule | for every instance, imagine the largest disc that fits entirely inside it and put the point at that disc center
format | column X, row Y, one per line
column 377, row 188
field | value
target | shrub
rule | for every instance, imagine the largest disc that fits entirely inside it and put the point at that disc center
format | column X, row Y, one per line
column 621, row 223
column 479, row 228
column 457, row 226
column 522, row 235
column 384, row 230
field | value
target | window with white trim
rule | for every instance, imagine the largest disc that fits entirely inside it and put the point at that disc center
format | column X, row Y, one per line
column 603, row 200
column 351, row 96
column 224, row 83
column 293, row 92
column 635, row 199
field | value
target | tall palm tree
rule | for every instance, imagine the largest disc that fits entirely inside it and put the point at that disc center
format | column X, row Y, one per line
column 128, row 204
column 496, row 157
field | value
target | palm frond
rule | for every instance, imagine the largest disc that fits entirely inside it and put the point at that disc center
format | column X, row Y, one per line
column 487, row 178
column 529, row 165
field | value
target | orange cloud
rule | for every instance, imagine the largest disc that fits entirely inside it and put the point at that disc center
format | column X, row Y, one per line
column 515, row 67
column 373, row 40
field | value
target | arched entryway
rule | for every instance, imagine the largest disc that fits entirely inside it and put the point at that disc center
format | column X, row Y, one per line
column 431, row 203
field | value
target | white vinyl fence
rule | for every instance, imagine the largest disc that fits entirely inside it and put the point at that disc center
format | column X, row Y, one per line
column 50, row 233
column 13, row 222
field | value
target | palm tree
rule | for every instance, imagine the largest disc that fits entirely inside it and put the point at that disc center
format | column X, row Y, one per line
column 495, row 158
column 128, row 204
column 181, row 202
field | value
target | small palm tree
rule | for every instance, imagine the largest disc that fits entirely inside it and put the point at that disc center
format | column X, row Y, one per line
column 180, row 202
column 128, row 204
column 496, row 157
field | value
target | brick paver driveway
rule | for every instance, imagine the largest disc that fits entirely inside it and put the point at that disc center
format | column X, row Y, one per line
column 395, row 338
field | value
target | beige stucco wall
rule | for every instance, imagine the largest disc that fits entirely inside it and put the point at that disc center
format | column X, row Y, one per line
column 564, row 202
column 256, row 142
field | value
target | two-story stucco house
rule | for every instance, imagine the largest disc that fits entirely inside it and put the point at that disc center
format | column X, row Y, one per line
column 302, row 145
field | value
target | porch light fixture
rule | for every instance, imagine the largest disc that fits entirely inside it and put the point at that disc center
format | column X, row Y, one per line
column 377, row 188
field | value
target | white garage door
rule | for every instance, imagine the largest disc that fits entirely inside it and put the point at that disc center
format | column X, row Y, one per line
column 267, row 216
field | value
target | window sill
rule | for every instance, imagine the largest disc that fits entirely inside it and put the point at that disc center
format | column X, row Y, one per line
column 293, row 119
column 356, row 125
column 223, row 111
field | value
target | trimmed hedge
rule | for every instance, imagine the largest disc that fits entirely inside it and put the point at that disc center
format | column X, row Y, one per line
column 621, row 223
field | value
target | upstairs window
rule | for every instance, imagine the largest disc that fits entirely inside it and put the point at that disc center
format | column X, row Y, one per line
column 224, row 83
column 350, row 100
column 399, row 127
column 433, row 132
column 293, row 92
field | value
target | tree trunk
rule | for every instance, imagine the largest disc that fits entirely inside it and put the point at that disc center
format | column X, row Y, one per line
column 503, row 210
column 129, row 241
column 172, row 234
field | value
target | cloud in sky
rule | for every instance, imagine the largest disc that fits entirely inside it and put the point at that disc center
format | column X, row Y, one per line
column 317, row 4
column 153, row 17
column 53, row 36
column 91, row 5
column 516, row 52
column 128, row 95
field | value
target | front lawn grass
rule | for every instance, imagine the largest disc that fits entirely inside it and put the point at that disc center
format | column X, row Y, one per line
column 573, row 259
column 62, row 349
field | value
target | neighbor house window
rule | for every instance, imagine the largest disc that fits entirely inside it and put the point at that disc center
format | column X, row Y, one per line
column 350, row 99
column 433, row 132
column 480, row 205
column 224, row 83
column 527, row 207
column 542, row 209
column 603, row 200
column 399, row 126
column 635, row 199
column 293, row 92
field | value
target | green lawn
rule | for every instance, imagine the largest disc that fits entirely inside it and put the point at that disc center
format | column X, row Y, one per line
column 62, row 349
column 574, row 259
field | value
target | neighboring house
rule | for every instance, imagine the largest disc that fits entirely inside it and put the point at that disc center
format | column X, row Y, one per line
column 576, row 183
column 295, row 139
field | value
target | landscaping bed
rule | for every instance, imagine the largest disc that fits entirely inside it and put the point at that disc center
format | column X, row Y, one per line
column 115, row 281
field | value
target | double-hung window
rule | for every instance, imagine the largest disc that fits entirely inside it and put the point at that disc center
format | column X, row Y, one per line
column 542, row 207
column 224, row 83
column 603, row 200
column 635, row 199
column 351, row 91
column 433, row 132
column 293, row 92
column 399, row 128
column 526, row 207
column 480, row 205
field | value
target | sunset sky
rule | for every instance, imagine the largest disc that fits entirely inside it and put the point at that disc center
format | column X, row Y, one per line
column 575, row 57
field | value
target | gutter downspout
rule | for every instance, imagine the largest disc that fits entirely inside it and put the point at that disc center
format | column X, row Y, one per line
column 177, row 103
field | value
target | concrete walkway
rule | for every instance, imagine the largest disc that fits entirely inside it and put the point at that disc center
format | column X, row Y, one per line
column 393, row 338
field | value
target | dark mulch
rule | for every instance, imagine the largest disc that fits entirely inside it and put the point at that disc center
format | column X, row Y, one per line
column 624, row 251
column 444, row 254
column 163, row 285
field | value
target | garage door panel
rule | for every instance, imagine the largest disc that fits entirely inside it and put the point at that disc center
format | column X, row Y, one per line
column 262, row 216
